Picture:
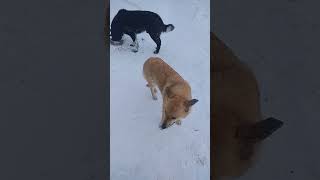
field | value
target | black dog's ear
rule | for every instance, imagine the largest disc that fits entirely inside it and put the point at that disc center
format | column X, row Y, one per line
column 260, row 130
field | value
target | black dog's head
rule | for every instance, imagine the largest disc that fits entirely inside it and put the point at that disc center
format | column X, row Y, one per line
column 116, row 34
column 116, row 30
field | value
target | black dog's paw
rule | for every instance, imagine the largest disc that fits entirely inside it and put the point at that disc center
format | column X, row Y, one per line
column 134, row 50
column 131, row 45
column 156, row 51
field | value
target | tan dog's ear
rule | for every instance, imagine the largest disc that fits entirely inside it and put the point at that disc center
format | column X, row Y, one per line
column 191, row 102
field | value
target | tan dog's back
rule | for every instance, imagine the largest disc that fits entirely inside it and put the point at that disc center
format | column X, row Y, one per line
column 159, row 72
column 236, row 117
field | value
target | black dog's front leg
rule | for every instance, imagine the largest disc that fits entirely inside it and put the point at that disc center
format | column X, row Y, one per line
column 156, row 38
column 133, row 37
column 135, row 43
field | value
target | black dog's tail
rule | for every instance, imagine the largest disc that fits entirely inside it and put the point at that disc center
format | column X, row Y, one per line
column 168, row 28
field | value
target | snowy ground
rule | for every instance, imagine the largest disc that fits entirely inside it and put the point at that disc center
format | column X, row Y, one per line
column 139, row 149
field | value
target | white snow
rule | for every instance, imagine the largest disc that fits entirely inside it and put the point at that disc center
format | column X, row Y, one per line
column 139, row 149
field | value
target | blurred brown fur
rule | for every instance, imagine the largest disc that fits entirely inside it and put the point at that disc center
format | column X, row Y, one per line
column 237, row 124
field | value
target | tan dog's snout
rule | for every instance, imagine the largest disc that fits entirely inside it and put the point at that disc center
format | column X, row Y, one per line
column 167, row 124
column 164, row 126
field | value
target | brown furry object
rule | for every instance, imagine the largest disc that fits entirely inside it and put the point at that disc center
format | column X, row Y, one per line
column 237, row 125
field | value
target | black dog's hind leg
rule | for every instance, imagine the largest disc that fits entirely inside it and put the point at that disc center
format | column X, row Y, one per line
column 156, row 38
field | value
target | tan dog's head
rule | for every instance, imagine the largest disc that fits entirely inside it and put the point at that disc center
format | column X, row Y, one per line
column 175, row 109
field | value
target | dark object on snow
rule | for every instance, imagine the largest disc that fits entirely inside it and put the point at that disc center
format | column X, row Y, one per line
column 135, row 22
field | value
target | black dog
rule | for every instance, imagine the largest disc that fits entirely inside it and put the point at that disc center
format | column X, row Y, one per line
column 134, row 22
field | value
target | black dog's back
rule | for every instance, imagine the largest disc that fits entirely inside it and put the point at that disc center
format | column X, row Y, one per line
column 145, row 20
column 132, row 22
column 140, row 20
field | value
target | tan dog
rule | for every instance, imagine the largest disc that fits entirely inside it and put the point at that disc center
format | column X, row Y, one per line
column 237, row 124
column 176, row 92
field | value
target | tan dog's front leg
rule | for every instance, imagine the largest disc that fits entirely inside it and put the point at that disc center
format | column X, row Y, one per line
column 162, row 118
column 153, row 93
column 153, row 90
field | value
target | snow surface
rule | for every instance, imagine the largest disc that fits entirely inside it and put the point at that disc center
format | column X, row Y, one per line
column 139, row 149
